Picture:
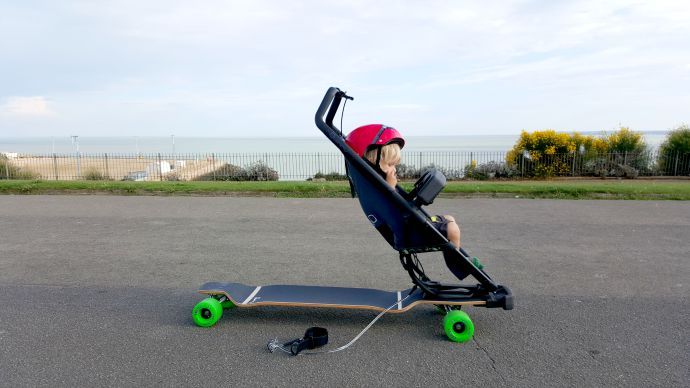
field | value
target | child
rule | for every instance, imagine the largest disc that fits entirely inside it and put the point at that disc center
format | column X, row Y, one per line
column 381, row 146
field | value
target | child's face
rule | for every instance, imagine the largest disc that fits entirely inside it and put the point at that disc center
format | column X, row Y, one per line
column 389, row 164
column 388, row 157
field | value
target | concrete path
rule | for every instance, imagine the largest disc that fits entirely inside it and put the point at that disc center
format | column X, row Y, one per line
column 97, row 291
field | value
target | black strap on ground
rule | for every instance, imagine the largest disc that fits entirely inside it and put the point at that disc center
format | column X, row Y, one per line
column 313, row 338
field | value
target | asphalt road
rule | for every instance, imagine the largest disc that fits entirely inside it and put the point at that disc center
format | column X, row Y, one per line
column 97, row 291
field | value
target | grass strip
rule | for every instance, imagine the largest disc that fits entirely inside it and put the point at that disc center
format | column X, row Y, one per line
column 563, row 189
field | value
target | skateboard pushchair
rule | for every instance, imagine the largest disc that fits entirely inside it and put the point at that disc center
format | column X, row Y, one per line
column 405, row 225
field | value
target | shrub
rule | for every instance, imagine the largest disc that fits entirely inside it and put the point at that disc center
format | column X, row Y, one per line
column 678, row 140
column 628, row 148
column 9, row 171
column 541, row 152
column 332, row 176
column 450, row 173
column 625, row 141
column 172, row 176
column 674, row 152
column 550, row 153
column 490, row 170
column 229, row 172
column 94, row 174
column 406, row 172
column 587, row 145
column 540, row 143
column 607, row 167
column 261, row 172
column 226, row 172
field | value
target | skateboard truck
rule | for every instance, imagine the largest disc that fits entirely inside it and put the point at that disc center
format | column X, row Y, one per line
column 313, row 338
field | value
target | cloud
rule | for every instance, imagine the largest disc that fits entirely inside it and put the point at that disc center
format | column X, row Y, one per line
column 35, row 106
column 135, row 66
column 405, row 107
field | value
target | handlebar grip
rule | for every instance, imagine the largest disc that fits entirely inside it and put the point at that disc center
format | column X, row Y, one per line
column 328, row 108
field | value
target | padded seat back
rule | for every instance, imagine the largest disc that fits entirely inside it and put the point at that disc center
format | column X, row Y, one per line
column 404, row 226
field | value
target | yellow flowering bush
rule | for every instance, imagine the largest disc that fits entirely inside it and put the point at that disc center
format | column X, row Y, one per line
column 628, row 148
column 550, row 153
column 587, row 144
column 544, row 152
column 538, row 143
column 625, row 140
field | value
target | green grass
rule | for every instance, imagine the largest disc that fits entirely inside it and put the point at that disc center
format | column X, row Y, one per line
column 296, row 189
column 565, row 189
column 577, row 189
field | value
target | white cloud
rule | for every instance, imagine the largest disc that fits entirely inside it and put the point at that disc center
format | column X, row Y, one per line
column 405, row 107
column 35, row 106
column 221, row 64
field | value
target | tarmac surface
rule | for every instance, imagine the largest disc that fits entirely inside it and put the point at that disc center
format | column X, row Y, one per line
column 98, row 290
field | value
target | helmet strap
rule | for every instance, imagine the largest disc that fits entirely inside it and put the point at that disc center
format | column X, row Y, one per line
column 378, row 148
column 378, row 135
column 376, row 166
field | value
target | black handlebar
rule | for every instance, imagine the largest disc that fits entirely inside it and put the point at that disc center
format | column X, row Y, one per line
column 328, row 108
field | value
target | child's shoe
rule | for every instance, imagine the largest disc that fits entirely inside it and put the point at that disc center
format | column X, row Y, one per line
column 477, row 263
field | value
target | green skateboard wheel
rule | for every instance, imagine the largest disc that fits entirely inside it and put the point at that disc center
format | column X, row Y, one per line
column 207, row 312
column 227, row 305
column 458, row 326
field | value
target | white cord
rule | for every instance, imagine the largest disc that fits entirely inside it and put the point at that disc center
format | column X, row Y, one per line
column 275, row 344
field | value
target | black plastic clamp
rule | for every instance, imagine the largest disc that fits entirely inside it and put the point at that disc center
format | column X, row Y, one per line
column 313, row 338
column 502, row 297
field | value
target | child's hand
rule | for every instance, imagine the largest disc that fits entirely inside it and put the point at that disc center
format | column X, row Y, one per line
column 391, row 174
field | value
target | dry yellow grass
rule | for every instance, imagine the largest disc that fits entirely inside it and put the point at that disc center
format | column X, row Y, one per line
column 65, row 168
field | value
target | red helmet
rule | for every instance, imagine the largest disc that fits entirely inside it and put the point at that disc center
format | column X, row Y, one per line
column 364, row 138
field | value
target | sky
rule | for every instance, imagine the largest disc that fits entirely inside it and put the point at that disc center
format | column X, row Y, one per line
column 260, row 68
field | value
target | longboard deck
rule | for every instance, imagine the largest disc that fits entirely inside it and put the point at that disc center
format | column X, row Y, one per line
column 243, row 295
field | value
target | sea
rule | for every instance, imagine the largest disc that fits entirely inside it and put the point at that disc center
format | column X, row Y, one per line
column 207, row 145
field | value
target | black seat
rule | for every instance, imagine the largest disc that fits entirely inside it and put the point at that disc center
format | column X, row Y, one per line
column 403, row 223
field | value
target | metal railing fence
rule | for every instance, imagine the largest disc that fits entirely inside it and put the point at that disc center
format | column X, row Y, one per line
column 303, row 166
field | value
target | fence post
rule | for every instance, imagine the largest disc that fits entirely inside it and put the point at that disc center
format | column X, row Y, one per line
column 107, row 171
column 213, row 165
column 675, row 169
column 7, row 169
column 160, row 168
column 55, row 166
column 574, row 156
